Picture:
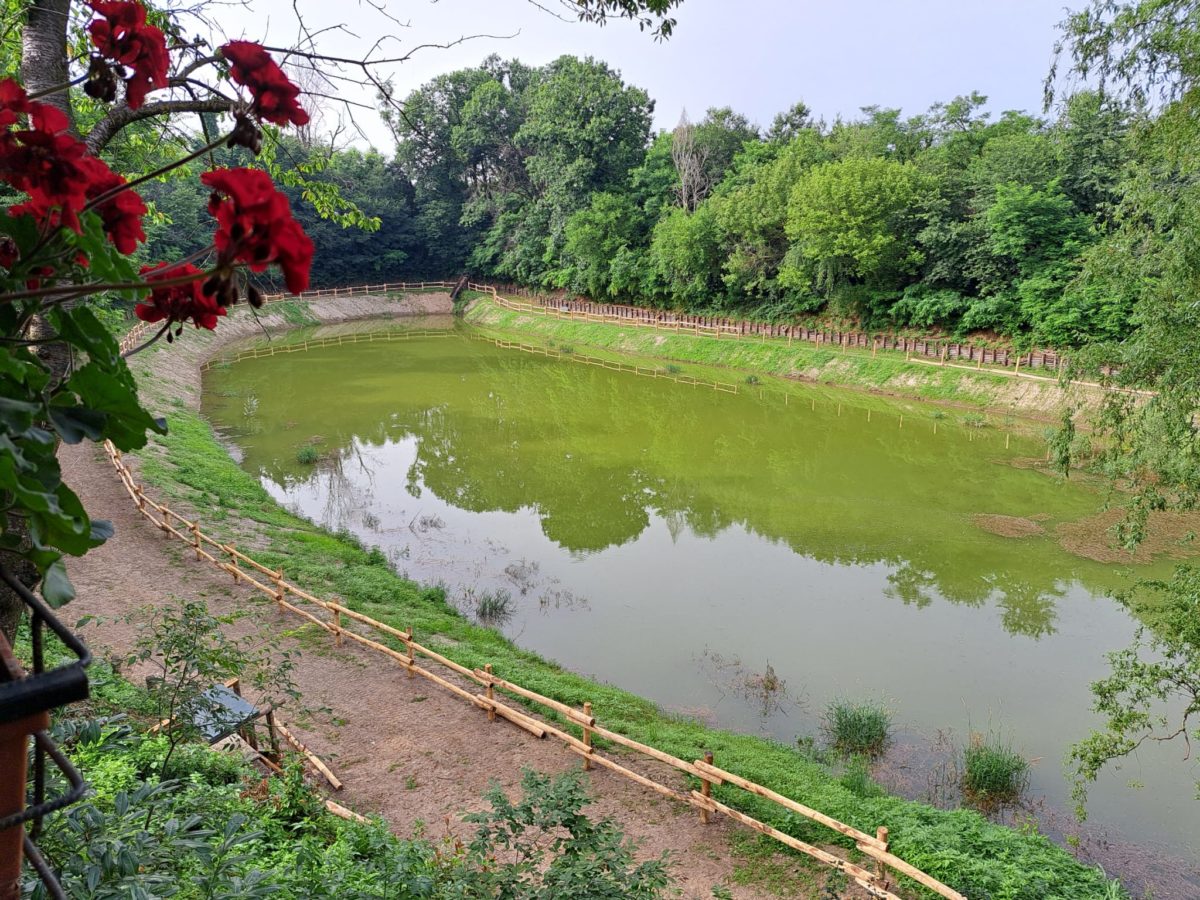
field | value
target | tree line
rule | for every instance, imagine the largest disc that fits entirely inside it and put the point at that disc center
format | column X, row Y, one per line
column 552, row 177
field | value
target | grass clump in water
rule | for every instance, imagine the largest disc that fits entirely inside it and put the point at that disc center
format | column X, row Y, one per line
column 307, row 455
column 993, row 771
column 494, row 607
column 858, row 728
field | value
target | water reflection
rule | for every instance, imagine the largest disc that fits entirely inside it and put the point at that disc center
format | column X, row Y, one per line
column 597, row 456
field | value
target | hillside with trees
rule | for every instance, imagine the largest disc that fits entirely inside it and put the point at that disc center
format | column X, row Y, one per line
column 552, row 178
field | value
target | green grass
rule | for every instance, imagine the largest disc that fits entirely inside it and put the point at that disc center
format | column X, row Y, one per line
column 856, row 778
column 887, row 372
column 993, row 771
column 960, row 847
column 294, row 312
column 857, row 728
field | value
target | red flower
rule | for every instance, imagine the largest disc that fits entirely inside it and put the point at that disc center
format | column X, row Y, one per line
column 14, row 103
column 122, row 35
column 274, row 94
column 180, row 302
column 57, row 172
column 122, row 214
column 52, row 168
column 255, row 225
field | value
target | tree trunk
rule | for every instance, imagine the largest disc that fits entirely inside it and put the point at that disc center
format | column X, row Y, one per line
column 44, row 51
column 43, row 65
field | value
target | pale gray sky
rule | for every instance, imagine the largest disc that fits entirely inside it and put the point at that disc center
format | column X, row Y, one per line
column 757, row 56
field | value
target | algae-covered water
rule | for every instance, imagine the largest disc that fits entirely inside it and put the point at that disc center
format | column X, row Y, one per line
column 741, row 558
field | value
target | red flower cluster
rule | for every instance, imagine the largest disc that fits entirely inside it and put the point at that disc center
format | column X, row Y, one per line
column 255, row 225
column 59, row 175
column 274, row 95
column 122, row 214
column 122, row 35
column 178, row 302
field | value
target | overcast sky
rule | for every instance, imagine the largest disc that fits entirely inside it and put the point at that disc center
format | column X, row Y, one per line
column 757, row 56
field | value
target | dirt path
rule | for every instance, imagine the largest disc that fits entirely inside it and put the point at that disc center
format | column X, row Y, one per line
column 404, row 748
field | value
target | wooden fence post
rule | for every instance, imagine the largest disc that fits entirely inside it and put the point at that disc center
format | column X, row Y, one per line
column 233, row 566
column 706, row 787
column 491, row 693
column 587, row 735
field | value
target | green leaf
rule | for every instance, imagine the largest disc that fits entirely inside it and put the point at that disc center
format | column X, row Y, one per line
column 56, row 585
column 82, row 329
column 17, row 415
column 74, row 423
column 115, row 395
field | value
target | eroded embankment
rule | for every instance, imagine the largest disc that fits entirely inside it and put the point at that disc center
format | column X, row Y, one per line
column 884, row 373
column 190, row 466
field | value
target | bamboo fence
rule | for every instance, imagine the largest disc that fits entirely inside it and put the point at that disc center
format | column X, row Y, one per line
column 926, row 351
column 917, row 350
column 336, row 340
column 716, row 326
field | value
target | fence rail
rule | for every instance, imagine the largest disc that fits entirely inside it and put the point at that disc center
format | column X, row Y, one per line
column 487, row 688
column 337, row 340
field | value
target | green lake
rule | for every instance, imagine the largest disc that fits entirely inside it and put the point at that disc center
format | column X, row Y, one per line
column 682, row 542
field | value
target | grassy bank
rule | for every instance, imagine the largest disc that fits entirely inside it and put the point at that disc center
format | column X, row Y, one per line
column 887, row 372
column 960, row 847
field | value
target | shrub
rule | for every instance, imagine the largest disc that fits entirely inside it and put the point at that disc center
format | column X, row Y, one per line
column 992, row 770
column 858, row 728
column 307, row 455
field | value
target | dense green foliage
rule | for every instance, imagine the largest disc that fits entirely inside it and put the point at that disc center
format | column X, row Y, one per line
column 944, row 219
column 1147, row 52
column 218, row 830
column 551, row 177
